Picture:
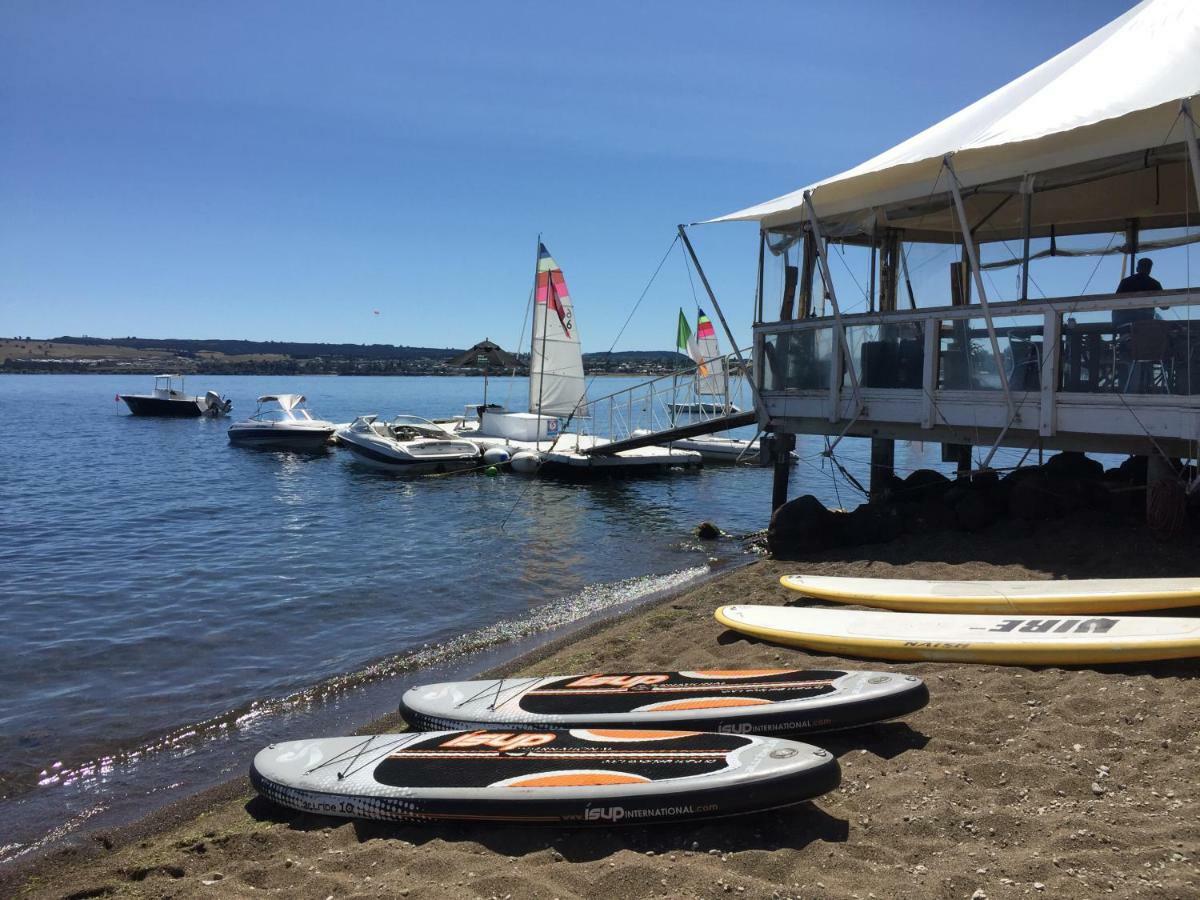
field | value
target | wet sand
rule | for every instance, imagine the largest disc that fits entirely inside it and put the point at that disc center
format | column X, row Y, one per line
column 1013, row 782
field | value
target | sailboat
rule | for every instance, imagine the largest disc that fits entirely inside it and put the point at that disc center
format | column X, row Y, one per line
column 539, row 437
column 711, row 377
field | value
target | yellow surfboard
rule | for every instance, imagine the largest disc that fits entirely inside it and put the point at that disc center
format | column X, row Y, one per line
column 999, row 640
column 1074, row 597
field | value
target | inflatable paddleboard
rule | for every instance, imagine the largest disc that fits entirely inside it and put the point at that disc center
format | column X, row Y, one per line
column 1078, row 597
column 577, row 777
column 1017, row 640
column 740, row 701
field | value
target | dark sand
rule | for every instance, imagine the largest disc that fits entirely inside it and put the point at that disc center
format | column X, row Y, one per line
column 1012, row 783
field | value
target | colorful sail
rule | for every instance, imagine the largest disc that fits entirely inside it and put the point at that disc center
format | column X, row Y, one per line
column 710, row 377
column 556, row 385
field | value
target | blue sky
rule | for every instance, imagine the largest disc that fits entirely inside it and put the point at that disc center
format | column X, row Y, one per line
column 282, row 170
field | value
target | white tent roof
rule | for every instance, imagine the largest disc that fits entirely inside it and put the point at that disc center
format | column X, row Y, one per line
column 1117, row 91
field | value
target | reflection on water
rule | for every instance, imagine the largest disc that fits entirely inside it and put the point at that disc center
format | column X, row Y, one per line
column 157, row 577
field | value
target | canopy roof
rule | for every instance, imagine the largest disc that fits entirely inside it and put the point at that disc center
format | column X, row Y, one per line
column 287, row 401
column 1107, row 108
column 487, row 353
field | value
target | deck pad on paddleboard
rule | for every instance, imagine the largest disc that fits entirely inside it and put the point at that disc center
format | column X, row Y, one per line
column 1012, row 639
column 741, row 701
column 578, row 777
column 1074, row 597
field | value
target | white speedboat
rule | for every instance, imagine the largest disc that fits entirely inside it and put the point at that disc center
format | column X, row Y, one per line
column 287, row 424
column 408, row 444
column 170, row 400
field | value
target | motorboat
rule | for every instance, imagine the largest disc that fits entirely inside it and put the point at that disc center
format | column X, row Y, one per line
column 407, row 444
column 170, row 399
column 282, row 421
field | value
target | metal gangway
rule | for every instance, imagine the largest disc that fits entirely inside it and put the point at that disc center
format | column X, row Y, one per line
column 671, row 407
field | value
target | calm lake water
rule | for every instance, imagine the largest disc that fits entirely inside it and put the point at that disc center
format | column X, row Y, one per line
column 162, row 588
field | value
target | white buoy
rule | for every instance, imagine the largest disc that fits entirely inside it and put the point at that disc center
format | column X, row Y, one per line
column 496, row 456
column 526, row 462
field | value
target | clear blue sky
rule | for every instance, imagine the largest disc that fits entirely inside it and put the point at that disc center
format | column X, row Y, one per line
column 281, row 170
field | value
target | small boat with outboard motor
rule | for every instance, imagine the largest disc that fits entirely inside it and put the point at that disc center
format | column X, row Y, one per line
column 171, row 400
column 408, row 445
column 282, row 422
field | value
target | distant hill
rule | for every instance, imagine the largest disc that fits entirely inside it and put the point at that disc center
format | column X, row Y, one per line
column 238, row 357
column 293, row 349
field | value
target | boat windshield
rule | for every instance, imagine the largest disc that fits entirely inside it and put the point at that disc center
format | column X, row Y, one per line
column 411, row 428
column 276, row 415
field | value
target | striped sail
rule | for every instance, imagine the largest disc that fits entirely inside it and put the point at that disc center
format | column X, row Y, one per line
column 711, row 375
column 556, row 385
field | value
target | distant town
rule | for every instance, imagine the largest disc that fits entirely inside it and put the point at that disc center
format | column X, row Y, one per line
column 133, row 355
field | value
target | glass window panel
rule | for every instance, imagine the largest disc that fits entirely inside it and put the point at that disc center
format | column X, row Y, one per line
column 1141, row 350
column 797, row 360
column 966, row 361
column 886, row 356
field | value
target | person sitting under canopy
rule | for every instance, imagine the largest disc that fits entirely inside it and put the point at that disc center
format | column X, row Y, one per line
column 1136, row 283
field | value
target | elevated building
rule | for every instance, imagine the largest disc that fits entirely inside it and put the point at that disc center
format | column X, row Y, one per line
column 1091, row 155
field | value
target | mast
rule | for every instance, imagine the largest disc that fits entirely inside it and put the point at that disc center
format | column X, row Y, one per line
column 537, row 250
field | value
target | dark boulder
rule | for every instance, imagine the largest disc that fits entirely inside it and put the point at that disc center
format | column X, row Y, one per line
column 801, row 527
column 975, row 511
column 871, row 523
column 929, row 515
column 1031, row 496
column 1133, row 470
column 1072, row 466
column 922, row 485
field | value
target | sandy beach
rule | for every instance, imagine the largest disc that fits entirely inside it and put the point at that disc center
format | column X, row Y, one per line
column 1012, row 783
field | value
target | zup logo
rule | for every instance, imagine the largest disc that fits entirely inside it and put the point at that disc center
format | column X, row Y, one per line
column 619, row 681
column 499, row 740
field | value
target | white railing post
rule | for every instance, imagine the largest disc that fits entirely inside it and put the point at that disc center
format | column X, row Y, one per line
column 929, row 371
column 1048, row 372
column 977, row 274
column 827, row 282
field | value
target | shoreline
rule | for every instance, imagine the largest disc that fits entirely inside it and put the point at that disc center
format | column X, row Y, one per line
column 342, row 703
column 1014, row 782
column 194, row 805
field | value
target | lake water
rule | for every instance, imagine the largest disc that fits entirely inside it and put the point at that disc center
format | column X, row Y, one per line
column 163, row 590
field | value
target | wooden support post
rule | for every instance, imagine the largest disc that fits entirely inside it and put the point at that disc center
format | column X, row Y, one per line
column 1026, row 227
column 782, row 446
column 788, row 304
column 962, row 470
column 808, row 271
column 889, row 271
column 1158, row 468
column 883, row 466
column 758, row 287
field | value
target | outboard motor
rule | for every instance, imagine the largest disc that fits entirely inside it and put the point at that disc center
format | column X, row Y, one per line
column 215, row 404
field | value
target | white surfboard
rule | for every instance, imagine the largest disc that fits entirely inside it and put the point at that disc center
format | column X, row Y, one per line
column 575, row 777
column 739, row 701
column 1073, row 597
column 1013, row 639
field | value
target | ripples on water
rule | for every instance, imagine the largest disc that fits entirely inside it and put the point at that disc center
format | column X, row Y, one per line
column 155, row 577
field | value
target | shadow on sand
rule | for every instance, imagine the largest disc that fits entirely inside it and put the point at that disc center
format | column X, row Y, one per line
column 795, row 827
